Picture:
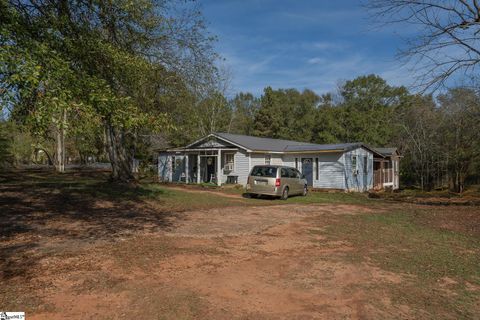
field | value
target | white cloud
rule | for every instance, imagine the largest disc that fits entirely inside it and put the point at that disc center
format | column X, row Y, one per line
column 316, row 60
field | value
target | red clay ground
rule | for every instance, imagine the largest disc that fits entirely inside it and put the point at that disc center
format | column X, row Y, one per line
column 69, row 255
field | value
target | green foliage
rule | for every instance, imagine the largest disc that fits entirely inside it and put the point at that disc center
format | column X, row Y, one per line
column 69, row 65
column 365, row 113
column 286, row 114
column 367, row 109
column 245, row 107
column 6, row 156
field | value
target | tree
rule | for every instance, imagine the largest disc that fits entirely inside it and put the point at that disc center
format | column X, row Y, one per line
column 286, row 114
column 328, row 126
column 446, row 43
column 117, row 54
column 416, row 134
column 268, row 119
column 6, row 156
column 298, row 111
column 460, row 140
column 245, row 107
column 363, row 113
column 369, row 103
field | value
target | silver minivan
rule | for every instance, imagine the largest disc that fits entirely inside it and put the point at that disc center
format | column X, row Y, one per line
column 280, row 181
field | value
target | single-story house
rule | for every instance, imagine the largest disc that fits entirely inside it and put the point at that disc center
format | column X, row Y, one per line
column 223, row 158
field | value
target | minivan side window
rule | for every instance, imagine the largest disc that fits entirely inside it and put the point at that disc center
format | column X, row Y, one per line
column 291, row 173
column 298, row 174
column 284, row 173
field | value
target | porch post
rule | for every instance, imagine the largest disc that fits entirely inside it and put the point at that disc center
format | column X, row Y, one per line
column 186, row 168
column 393, row 176
column 382, row 171
column 219, row 167
column 198, row 167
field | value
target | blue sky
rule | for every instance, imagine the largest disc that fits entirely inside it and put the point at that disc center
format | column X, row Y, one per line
column 302, row 44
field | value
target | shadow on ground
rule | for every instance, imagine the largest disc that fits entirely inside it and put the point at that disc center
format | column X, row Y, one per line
column 41, row 213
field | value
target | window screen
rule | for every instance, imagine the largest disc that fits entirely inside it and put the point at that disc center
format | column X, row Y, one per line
column 229, row 158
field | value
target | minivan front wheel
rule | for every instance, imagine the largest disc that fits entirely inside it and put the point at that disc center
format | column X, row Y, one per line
column 285, row 194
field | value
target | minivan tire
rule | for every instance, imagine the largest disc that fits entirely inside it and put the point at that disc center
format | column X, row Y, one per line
column 284, row 194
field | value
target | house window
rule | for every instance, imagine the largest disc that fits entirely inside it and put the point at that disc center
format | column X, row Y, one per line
column 354, row 162
column 317, row 172
column 173, row 164
column 268, row 159
column 229, row 161
column 365, row 164
column 296, row 163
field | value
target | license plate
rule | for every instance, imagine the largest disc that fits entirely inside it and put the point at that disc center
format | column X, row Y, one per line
column 261, row 182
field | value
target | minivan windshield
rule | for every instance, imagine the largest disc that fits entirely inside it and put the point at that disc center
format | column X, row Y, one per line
column 264, row 171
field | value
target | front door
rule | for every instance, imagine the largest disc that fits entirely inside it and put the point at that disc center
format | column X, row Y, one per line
column 307, row 170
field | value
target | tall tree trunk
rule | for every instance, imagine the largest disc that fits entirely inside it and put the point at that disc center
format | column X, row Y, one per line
column 60, row 144
column 120, row 159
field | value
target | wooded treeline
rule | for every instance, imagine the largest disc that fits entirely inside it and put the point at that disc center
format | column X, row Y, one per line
column 438, row 137
column 113, row 80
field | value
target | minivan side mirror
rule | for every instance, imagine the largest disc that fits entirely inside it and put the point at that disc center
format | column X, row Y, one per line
column 303, row 176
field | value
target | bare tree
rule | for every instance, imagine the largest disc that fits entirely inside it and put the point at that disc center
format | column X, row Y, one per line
column 211, row 106
column 447, row 42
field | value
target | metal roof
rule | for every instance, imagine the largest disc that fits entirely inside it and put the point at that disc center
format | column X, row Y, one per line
column 279, row 145
column 386, row 151
column 325, row 147
column 258, row 143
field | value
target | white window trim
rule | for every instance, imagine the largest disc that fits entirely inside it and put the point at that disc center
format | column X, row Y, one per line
column 225, row 162
column 269, row 157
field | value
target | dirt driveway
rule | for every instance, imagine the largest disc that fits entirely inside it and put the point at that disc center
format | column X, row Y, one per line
column 77, row 247
column 236, row 263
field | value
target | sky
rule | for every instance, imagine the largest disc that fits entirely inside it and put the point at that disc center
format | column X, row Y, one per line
column 314, row 44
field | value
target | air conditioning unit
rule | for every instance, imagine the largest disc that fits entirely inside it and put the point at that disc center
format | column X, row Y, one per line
column 228, row 167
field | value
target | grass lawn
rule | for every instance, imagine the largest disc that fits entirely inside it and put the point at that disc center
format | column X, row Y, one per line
column 76, row 246
column 441, row 265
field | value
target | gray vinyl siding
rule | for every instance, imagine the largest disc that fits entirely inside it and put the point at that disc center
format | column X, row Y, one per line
column 331, row 171
column 331, row 174
column 164, row 167
column 362, row 181
column 289, row 160
column 257, row 159
column 241, row 166
column 276, row 159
